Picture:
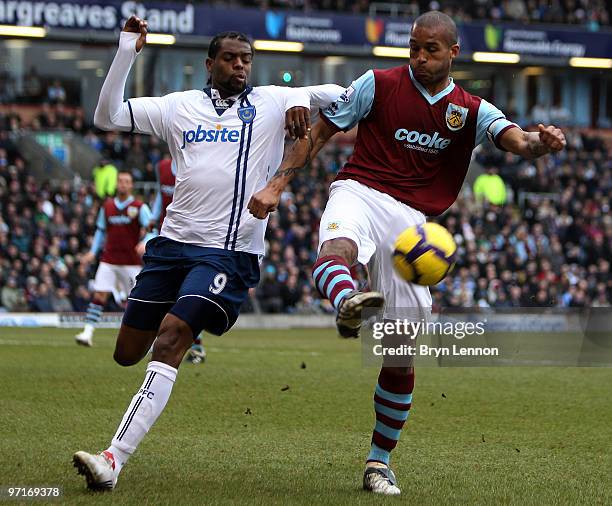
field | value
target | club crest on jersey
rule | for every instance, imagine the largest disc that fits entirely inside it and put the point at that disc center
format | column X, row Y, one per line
column 132, row 212
column 456, row 116
column 247, row 114
column 333, row 225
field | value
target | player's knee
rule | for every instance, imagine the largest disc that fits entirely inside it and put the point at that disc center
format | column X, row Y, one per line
column 342, row 247
column 174, row 338
column 125, row 359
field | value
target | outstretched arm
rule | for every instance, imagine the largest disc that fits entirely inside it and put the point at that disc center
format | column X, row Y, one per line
column 531, row 145
column 343, row 113
column 301, row 153
column 144, row 115
column 297, row 119
column 112, row 112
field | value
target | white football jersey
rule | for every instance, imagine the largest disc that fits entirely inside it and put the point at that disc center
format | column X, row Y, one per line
column 225, row 150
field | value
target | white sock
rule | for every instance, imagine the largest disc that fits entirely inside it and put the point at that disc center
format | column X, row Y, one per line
column 89, row 329
column 145, row 408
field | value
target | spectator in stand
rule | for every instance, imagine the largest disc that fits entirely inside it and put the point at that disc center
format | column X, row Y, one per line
column 560, row 115
column 32, row 86
column 13, row 297
column 60, row 302
column 105, row 178
column 269, row 292
column 42, row 300
column 490, row 187
column 56, row 94
column 136, row 158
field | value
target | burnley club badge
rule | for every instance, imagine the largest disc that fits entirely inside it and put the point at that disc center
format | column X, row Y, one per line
column 455, row 116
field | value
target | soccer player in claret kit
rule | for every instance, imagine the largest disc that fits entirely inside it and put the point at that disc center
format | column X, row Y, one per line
column 166, row 178
column 119, row 230
column 417, row 130
column 227, row 141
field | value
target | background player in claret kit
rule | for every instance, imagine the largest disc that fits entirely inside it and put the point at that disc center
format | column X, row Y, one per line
column 119, row 230
column 417, row 130
column 166, row 179
column 227, row 141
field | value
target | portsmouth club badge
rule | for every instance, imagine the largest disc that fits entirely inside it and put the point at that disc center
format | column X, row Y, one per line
column 132, row 212
column 455, row 116
column 247, row 114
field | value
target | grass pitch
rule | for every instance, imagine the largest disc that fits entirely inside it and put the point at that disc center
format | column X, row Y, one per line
column 253, row 426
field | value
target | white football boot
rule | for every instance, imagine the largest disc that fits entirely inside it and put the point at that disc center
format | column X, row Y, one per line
column 380, row 480
column 99, row 469
column 85, row 338
column 348, row 320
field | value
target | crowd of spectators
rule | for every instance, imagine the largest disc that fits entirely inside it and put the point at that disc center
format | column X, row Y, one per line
column 549, row 244
column 592, row 13
column 35, row 89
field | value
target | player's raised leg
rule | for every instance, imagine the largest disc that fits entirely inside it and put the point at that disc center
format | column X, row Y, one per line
column 343, row 240
column 332, row 277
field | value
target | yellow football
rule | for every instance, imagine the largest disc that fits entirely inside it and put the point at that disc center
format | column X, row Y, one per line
column 424, row 254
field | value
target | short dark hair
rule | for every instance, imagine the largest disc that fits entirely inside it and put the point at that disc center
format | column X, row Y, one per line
column 124, row 171
column 215, row 43
column 437, row 19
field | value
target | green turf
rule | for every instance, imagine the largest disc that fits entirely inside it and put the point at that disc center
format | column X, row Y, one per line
column 231, row 435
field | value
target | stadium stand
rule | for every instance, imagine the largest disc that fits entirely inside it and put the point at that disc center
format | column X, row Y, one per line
column 549, row 245
column 593, row 13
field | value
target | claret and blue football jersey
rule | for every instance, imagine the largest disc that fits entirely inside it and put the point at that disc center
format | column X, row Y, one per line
column 431, row 137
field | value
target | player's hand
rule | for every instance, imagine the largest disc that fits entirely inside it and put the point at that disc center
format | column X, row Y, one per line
column 88, row 258
column 137, row 25
column 297, row 122
column 140, row 248
column 552, row 137
column 264, row 202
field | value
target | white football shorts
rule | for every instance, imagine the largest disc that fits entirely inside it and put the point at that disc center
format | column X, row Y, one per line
column 373, row 220
column 116, row 278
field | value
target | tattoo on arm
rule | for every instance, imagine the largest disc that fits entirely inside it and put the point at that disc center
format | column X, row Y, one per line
column 535, row 147
column 290, row 172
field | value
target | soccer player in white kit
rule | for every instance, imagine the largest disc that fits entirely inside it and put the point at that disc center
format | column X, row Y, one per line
column 227, row 141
